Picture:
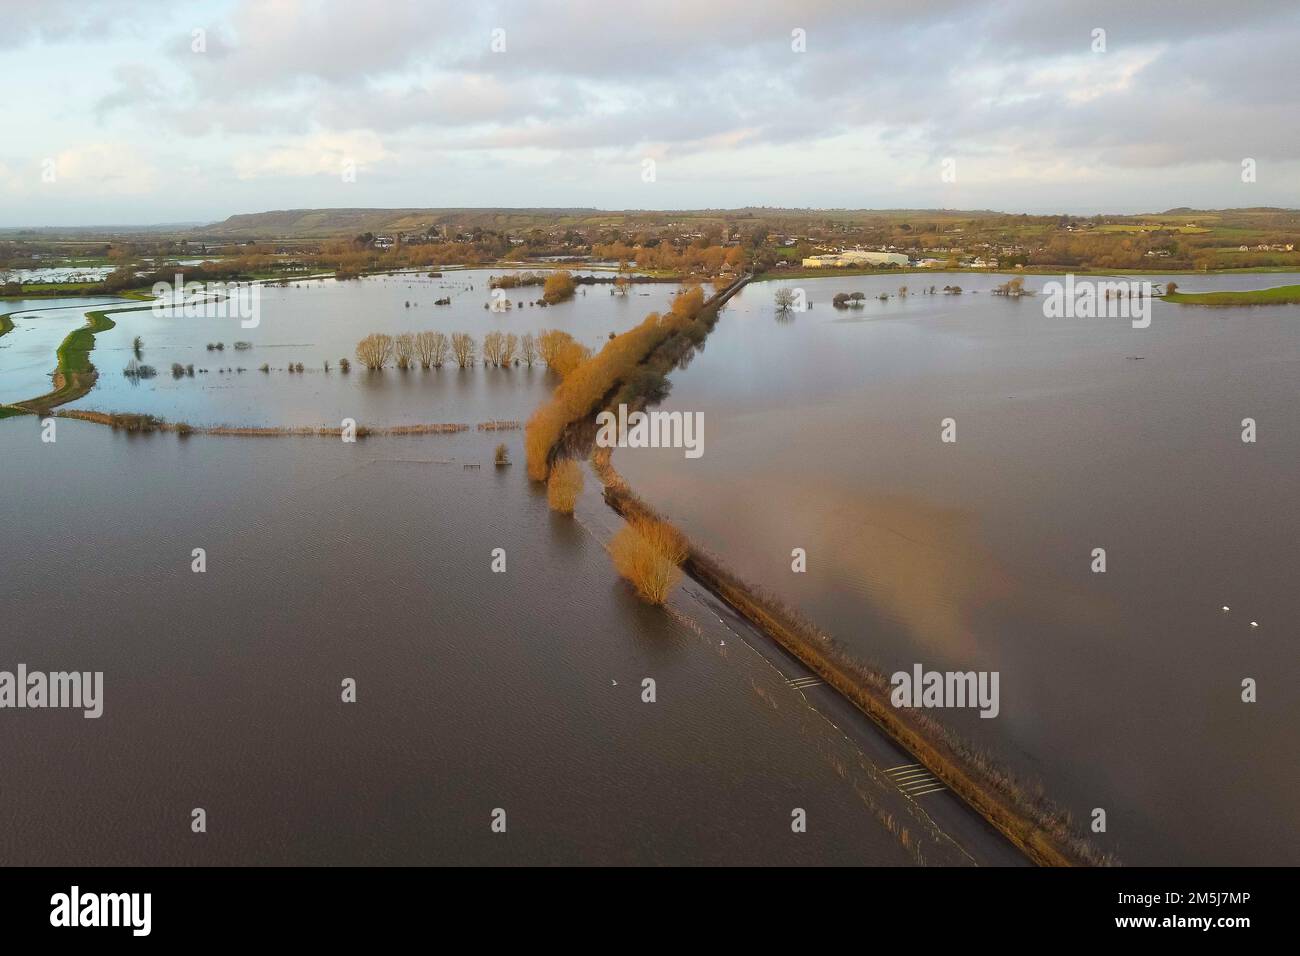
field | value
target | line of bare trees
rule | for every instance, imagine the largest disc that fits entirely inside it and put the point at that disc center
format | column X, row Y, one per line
column 557, row 349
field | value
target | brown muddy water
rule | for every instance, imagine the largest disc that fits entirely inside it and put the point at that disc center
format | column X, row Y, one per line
column 1119, row 690
column 475, row 690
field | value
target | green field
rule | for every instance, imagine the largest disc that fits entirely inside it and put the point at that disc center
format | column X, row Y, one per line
column 1280, row 295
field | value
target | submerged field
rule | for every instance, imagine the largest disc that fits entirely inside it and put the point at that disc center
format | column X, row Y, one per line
column 522, row 689
column 1120, row 690
column 31, row 332
column 320, row 321
column 476, row 690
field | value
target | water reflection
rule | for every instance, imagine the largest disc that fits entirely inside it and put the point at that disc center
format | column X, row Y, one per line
column 1119, row 689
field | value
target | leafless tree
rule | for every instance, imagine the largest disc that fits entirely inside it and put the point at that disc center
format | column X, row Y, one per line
column 375, row 350
column 424, row 348
column 550, row 343
column 462, row 346
column 404, row 347
column 509, row 349
column 493, row 345
column 441, row 349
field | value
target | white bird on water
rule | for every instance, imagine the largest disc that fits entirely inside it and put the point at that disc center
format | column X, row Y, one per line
column 1225, row 609
column 1254, row 623
column 613, row 682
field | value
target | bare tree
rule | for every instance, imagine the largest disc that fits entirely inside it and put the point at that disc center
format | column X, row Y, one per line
column 441, row 349
column 784, row 299
column 509, row 349
column 493, row 345
column 424, row 348
column 462, row 345
column 550, row 343
column 528, row 349
column 375, row 350
column 404, row 347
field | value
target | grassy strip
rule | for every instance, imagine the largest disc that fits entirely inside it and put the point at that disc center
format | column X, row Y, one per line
column 1279, row 295
column 1040, row 830
column 75, row 375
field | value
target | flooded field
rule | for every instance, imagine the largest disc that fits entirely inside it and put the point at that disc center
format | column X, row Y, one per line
column 523, row 690
column 475, row 690
column 1120, row 690
column 319, row 321
column 27, row 351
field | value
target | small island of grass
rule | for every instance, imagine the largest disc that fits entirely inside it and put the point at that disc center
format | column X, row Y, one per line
column 1280, row 295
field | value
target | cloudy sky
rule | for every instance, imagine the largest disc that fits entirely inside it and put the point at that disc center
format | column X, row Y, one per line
column 122, row 112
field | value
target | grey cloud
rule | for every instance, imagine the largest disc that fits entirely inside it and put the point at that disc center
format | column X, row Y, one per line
column 925, row 79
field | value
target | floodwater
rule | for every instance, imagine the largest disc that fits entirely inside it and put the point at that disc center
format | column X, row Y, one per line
column 1119, row 690
column 317, row 321
column 27, row 351
column 62, row 274
column 475, row 691
column 523, row 690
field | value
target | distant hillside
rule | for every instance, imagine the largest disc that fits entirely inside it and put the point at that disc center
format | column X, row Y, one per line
column 327, row 223
column 346, row 223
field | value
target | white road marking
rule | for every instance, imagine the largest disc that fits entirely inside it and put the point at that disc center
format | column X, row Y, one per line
column 801, row 682
column 914, row 780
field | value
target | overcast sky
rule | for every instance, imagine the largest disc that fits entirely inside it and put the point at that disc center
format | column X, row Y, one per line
column 120, row 112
